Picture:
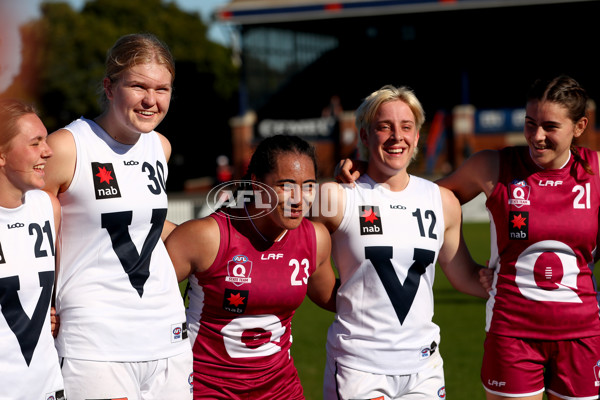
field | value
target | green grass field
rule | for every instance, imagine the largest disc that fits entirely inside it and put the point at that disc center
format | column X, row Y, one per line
column 461, row 319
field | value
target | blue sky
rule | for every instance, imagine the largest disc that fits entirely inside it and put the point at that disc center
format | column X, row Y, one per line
column 16, row 12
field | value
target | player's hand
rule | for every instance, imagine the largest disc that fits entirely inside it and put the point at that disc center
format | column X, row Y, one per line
column 54, row 321
column 486, row 278
column 347, row 170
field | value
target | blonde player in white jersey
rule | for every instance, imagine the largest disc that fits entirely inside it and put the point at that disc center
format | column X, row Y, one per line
column 387, row 232
column 29, row 220
column 122, row 332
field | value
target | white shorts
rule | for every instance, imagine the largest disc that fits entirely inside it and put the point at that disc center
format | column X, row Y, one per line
column 168, row 378
column 342, row 383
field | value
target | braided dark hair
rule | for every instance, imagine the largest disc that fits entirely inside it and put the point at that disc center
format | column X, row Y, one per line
column 567, row 92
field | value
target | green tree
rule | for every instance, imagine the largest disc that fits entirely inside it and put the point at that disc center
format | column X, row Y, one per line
column 63, row 66
column 74, row 45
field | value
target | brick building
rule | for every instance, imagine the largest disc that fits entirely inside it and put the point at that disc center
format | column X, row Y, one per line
column 304, row 60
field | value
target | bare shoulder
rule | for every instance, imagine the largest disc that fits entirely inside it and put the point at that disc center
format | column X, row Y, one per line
column 195, row 230
column 54, row 201
column 195, row 242
column 56, row 209
column 320, row 230
column 448, row 198
column 331, row 191
column 451, row 207
column 63, row 147
column 60, row 167
column 62, row 137
column 166, row 145
column 323, row 241
column 329, row 209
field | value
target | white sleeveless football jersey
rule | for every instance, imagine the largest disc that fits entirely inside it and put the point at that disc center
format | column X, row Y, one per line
column 29, row 368
column 385, row 250
column 117, row 293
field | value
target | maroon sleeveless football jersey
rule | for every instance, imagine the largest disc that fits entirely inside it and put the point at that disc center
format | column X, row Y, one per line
column 543, row 232
column 245, row 302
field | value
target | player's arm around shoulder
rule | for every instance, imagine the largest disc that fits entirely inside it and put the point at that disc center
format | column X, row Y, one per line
column 322, row 284
column 60, row 167
column 454, row 257
column 329, row 209
column 478, row 174
column 348, row 170
column 193, row 246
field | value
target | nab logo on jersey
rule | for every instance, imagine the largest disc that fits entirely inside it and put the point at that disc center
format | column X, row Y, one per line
column 105, row 181
column 2, row 259
column 370, row 220
column 518, row 225
column 235, row 301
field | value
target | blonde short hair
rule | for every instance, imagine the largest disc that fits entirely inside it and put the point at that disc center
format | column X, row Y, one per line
column 365, row 113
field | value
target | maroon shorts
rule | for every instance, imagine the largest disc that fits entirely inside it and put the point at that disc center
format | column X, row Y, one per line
column 525, row 367
column 278, row 384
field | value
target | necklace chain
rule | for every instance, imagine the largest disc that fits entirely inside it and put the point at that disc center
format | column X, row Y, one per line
column 254, row 226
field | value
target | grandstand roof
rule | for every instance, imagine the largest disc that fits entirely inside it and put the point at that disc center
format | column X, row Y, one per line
column 248, row 12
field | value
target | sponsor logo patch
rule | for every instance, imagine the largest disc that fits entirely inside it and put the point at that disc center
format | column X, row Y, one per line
column 442, row 392
column 518, row 225
column 179, row 332
column 518, row 194
column 238, row 270
column 60, row 395
column 235, row 301
column 105, row 181
column 427, row 351
column 370, row 220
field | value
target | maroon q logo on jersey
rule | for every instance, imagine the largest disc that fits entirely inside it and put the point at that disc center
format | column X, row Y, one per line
column 518, row 194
